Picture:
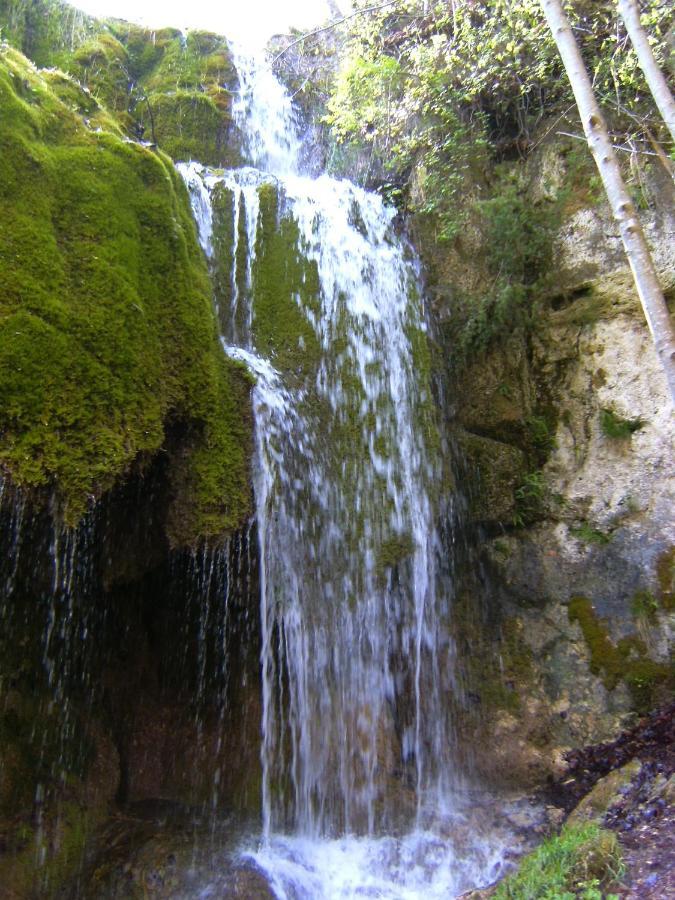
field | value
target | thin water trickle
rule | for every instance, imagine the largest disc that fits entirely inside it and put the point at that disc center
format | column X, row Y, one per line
column 360, row 783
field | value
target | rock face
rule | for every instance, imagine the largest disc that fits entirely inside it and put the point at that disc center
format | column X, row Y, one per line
column 128, row 674
column 569, row 431
column 113, row 688
column 157, row 850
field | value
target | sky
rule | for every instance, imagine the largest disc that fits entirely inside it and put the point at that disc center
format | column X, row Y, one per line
column 252, row 21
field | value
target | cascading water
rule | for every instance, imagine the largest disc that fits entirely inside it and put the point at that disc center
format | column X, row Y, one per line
column 357, row 665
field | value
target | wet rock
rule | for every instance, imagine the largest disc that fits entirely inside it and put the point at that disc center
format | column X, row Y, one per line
column 500, row 468
column 164, row 851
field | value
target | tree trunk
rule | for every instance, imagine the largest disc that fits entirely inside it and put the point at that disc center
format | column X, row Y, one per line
column 629, row 12
column 635, row 245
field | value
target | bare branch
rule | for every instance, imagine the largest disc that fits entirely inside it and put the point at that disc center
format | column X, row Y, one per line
column 332, row 25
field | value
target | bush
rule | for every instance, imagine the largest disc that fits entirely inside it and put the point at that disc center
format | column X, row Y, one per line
column 617, row 428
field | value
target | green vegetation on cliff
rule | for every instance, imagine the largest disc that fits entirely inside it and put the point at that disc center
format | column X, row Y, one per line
column 173, row 90
column 445, row 105
column 444, row 87
column 107, row 333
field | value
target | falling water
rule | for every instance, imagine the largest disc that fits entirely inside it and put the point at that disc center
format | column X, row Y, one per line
column 359, row 780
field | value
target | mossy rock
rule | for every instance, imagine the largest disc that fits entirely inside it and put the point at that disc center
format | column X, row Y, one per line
column 60, row 844
column 107, row 331
column 190, row 125
column 102, row 64
column 624, row 661
column 82, row 102
column 158, row 84
column 286, row 290
column 393, row 551
column 44, row 29
column 604, row 794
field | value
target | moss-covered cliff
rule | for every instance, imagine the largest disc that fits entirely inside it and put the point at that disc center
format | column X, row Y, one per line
column 109, row 351
column 170, row 89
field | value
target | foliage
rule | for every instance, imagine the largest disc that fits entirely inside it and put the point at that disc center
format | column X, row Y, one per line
column 581, row 862
column 107, row 332
column 616, row 427
column 518, row 246
column 589, row 535
column 529, row 498
column 437, row 86
column 542, row 433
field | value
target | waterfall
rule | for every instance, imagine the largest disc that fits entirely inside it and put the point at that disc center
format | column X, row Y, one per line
column 321, row 298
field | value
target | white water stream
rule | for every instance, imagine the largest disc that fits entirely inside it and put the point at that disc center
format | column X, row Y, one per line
column 360, row 788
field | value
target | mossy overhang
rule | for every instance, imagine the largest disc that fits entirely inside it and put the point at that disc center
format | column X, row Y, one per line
column 107, row 329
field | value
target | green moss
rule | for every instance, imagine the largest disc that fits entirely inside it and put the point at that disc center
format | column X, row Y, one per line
column 394, row 550
column 173, row 90
column 188, row 64
column 618, row 428
column 665, row 573
column 625, row 661
column 606, row 658
column 188, row 125
column 223, row 238
column 649, row 683
column 183, row 98
column 102, row 64
column 106, row 325
column 644, row 605
column 581, row 859
column 145, row 48
column 286, row 291
column 44, row 29
column 81, row 102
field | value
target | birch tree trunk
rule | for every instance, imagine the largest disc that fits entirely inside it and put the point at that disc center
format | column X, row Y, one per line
column 630, row 13
column 635, row 245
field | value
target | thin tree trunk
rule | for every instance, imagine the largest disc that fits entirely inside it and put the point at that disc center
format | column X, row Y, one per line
column 630, row 13
column 635, row 245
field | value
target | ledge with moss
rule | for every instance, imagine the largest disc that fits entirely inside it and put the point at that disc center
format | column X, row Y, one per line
column 171, row 89
column 107, row 331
